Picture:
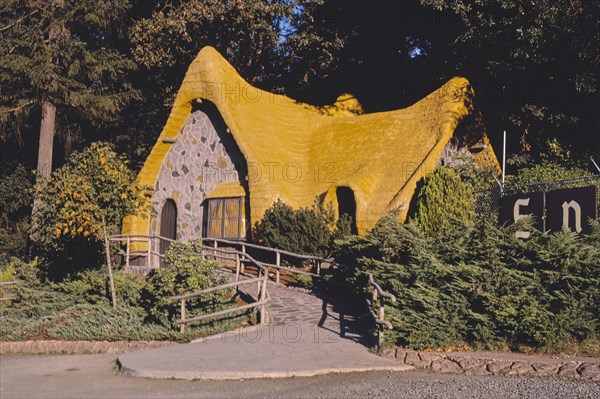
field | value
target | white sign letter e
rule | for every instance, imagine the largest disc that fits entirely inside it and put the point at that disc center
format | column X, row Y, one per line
column 517, row 215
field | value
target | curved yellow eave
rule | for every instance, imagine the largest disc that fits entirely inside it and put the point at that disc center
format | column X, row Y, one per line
column 302, row 151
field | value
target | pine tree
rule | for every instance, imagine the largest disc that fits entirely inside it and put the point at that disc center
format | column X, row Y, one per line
column 61, row 66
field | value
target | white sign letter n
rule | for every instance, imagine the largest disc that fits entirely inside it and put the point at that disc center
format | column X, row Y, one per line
column 575, row 206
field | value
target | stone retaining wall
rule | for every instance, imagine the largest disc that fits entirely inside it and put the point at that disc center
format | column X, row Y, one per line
column 516, row 365
column 76, row 347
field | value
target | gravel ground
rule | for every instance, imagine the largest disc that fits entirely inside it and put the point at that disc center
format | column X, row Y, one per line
column 94, row 376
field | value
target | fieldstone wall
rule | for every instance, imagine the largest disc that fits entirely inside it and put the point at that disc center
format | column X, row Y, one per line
column 203, row 155
column 499, row 364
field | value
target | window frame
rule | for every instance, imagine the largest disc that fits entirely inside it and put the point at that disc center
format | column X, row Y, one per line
column 222, row 205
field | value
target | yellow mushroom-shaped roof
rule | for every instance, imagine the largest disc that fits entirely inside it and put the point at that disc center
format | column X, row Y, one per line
column 296, row 151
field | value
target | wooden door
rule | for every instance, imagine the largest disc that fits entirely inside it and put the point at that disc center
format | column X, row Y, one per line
column 168, row 224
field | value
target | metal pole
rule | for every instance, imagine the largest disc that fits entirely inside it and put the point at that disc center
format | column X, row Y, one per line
column 504, row 159
column 595, row 164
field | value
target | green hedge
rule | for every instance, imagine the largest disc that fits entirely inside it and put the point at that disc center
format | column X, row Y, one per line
column 482, row 287
column 310, row 231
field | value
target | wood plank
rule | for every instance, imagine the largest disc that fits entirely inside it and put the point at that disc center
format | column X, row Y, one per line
column 223, row 312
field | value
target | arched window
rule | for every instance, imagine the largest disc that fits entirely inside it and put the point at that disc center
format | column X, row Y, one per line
column 168, row 224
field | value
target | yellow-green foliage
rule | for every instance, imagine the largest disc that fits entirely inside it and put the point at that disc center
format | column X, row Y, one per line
column 443, row 198
column 79, row 309
column 92, row 286
column 94, row 190
column 8, row 273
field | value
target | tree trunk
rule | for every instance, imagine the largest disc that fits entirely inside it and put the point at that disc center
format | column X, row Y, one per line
column 109, row 264
column 44, row 165
column 47, row 130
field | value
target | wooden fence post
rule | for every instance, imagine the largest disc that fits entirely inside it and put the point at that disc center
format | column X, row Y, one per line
column 278, row 263
column 149, row 256
column 382, row 317
column 258, row 274
column 237, row 267
column 263, row 297
column 182, row 325
column 127, row 252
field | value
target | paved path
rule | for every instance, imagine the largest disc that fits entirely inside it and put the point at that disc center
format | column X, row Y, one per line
column 307, row 336
column 93, row 376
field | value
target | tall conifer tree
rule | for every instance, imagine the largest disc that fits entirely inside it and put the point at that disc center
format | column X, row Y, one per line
column 62, row 68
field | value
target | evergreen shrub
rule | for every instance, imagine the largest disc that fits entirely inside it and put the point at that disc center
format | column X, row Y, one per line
column 481, row 286
column 92, row 287
column 443, row 197
column 16, row 197
column 310, row 231
column 78, row 309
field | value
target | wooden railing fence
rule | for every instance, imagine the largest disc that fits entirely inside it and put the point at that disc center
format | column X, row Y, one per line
column 222, row 249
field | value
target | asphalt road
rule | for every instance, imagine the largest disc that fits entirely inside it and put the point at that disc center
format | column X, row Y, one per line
column 94, row 376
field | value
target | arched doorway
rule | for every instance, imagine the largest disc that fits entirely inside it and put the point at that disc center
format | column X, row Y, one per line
column 168, row 224
column 347, row 206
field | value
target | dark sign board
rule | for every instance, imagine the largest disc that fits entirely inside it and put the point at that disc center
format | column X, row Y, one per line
column 517, row 206
column 571, row 208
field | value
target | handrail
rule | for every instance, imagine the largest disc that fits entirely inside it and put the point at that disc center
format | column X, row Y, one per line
column 269, row 249
column 261, row 279
column 122, row 237
column 262, row 297
column 379, row 317
column 242, row 256
column 216, row 288
column 381, row 292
